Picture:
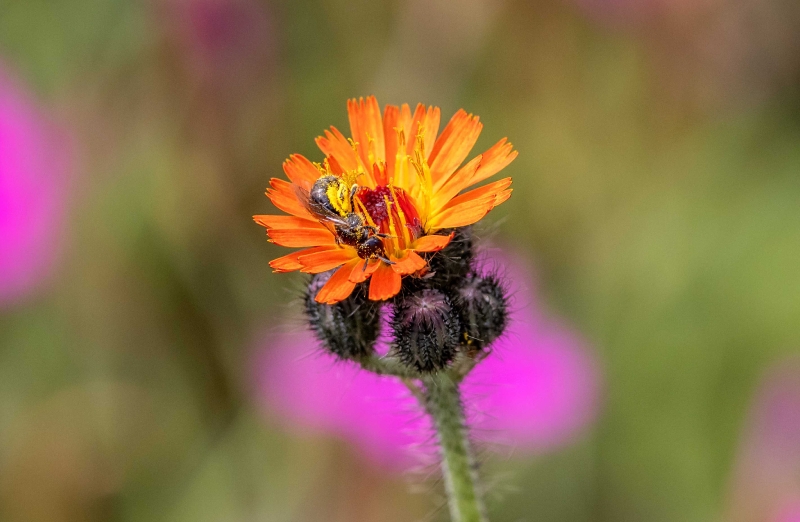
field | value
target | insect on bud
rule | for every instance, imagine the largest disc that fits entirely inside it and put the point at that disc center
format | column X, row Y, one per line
column 347, row 329
column 483, row 309
column 425, row 330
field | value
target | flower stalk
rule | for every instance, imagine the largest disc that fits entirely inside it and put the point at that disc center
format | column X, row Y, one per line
column 443, row 403
column 440, row 395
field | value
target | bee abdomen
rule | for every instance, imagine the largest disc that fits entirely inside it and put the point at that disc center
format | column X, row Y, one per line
column 370, row 248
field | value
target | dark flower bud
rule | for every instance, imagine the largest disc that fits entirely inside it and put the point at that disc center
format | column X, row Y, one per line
column 347, row 329
column 482, row 306
column 449, row 266
column 425, row 330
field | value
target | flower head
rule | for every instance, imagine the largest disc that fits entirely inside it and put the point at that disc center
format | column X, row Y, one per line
column 384, row 198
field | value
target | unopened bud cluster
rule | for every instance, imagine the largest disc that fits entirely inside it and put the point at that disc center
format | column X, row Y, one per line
column 451, row 309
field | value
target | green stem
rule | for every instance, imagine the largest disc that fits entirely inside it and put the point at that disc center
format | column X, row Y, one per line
column 458, row 467
column 387, row 365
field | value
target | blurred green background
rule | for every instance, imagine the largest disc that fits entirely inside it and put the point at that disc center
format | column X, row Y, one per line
column 656, row 192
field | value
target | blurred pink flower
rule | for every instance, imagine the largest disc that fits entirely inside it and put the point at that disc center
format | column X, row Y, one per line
column 535, row 392
column 34, row 164
column 766, row 480
column 790, row 513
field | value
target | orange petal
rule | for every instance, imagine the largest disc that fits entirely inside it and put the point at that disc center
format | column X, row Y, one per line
column 338, row 286
column 366, row 127
column 453, row 145
column 322, row 261
column 429, row 119
column 502, row 197
column 494, row 188
column 301, row 237
column 283, row 196
column 300, row 171
column 385, row 283
column 290, row 263
column 431, row 128
column 462, row 215
column 360, row 274
column 287, row 222
column 335, row 144
column 494, row 160
column 391, row 117
column 411, row 135
column 404, row 121
column 453, row 184
column 379, row 174
column 456, row 121
column 408, row 264
column 334, row 165
column 432, row 243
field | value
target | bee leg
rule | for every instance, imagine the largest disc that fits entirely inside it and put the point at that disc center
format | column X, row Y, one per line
column 377, row 232
column 387, row 261
column 353, row 191
column 366, row 262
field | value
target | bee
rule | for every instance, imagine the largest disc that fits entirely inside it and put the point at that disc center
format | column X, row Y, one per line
column 330, row 200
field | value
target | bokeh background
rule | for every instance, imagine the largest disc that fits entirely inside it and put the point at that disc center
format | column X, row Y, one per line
column 657, row 206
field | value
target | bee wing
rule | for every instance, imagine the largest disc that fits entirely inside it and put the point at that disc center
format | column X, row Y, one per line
column 301, row 193
column 324, row 215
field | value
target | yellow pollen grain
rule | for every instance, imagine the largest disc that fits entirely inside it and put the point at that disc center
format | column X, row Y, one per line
column 344, row 197
column 370, row 149
column 401, row 171
column 334, row 196
column 421, row 137
column 323, row 168
column 423, row 174
column 402, row 215
column 392, row 228
column 363, row 210
column 351, row 176
column 362, row 169
column 401, row 136
column 400, row 156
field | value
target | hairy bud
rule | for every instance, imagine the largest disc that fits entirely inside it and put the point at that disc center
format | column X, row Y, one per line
column 483, row 310
column 450, row 266
column 347, row 329
column 426, row 330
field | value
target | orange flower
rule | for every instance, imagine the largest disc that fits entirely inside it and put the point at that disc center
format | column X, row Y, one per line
column 403, row 190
